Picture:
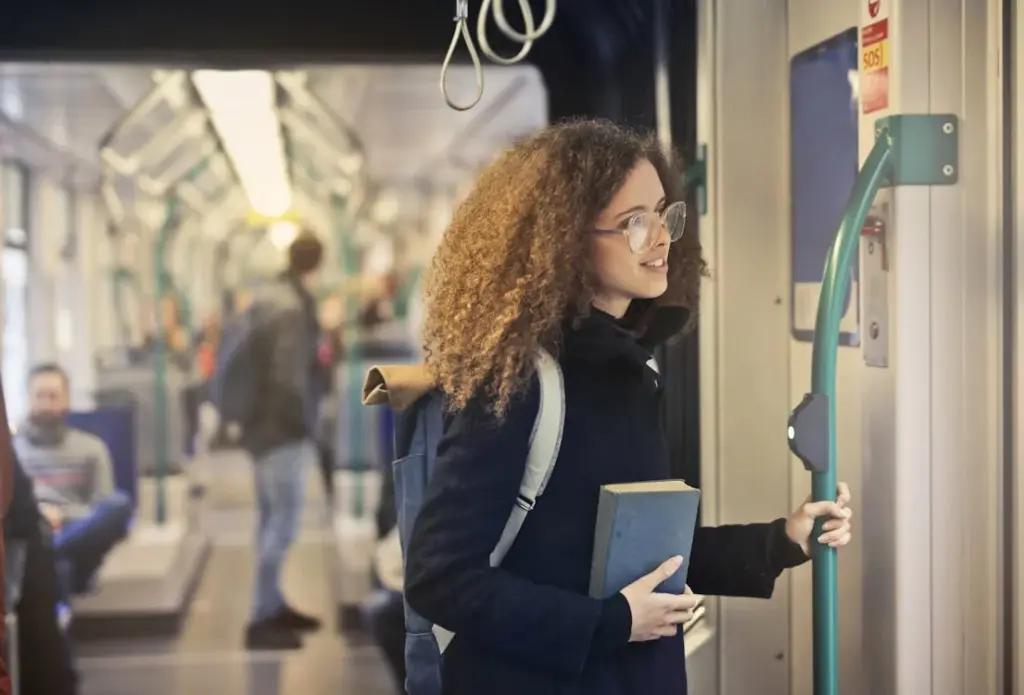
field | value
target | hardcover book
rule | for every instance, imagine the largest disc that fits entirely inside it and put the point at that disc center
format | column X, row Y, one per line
column 639, row 526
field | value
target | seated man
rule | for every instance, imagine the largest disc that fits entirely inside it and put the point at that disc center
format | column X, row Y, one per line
column 73, row 479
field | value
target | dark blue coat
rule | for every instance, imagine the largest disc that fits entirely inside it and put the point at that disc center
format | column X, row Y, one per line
column 529, row 627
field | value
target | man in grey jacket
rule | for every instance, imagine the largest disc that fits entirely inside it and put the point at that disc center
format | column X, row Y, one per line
column 278, row 435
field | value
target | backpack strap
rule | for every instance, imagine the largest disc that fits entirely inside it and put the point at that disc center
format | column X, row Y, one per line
column 545, row 441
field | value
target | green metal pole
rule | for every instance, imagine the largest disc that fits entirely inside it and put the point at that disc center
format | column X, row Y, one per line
column 403, row 297
column 349, row 263
column 160, row 406
column 835, row 283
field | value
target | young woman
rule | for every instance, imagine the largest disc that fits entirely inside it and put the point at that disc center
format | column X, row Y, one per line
column 566, row 243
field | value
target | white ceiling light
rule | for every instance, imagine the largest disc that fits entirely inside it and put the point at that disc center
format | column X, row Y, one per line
column 385, row 209
column 11, row 101
column 350, row 163
column 381, row 257
column 282, row 233
column 242, row 108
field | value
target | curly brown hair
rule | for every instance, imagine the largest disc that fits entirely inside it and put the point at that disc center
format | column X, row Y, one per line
column 514, row 266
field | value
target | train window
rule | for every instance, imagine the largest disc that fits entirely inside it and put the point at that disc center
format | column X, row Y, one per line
column 67, row 283
column 14, row 274
column 15, row 363
column 15, row 204
column 69, row 245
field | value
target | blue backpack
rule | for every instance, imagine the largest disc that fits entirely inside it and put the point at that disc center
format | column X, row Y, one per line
column 234, row 383
column 418, row 409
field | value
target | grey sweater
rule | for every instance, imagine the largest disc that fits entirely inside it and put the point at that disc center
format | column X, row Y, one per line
column 70, row 469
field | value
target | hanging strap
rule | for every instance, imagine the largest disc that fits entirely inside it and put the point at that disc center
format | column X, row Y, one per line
column 545, row 441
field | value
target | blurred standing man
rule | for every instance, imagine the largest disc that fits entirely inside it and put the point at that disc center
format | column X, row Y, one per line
column 267, row 382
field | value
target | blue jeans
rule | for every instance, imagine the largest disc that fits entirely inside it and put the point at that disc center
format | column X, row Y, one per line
column 82, row 544
column 280, row 487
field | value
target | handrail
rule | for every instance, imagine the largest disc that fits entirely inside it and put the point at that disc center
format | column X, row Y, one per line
column 818, row 409
column 348, row 262
column 119, row 277
column 487, row 9
column 161, row 408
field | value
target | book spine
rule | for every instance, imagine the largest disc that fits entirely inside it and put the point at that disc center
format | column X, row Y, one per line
column 603, row 528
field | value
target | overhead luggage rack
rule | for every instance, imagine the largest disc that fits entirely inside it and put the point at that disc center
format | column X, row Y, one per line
column 167, row 145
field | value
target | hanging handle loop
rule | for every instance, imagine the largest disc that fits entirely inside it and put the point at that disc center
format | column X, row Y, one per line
column 462, row 30
column 497, row 9
column 550, row 7
column 481, row 32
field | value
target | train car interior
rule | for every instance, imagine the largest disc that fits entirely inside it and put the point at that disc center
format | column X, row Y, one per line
column 853, row 172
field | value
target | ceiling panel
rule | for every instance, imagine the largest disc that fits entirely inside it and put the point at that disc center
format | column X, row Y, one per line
column 410, row 134
column 56, row 114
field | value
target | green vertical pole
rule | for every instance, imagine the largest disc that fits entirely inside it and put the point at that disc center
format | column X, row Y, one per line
column 403, row 297
column 348, row 260
column 812, row 431
column 160, row 405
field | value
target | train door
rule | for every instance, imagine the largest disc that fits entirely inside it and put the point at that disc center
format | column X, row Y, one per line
column 920, row 367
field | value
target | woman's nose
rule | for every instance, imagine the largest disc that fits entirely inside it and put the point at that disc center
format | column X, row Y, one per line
column 661, row 234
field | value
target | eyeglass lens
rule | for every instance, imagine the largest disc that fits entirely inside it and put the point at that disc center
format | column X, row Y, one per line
column 642, row 230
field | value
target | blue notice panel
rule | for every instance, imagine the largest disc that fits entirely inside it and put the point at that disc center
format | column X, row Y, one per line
column 824, row 162
column 116, row 427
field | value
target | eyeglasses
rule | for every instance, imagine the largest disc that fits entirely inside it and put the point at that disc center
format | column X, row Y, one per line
column 641, row 229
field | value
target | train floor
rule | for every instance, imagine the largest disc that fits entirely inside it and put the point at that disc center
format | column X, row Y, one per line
column 207, row 656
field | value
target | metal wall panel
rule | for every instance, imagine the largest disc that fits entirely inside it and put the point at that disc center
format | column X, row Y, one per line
column 744, row 349
column 930, row 419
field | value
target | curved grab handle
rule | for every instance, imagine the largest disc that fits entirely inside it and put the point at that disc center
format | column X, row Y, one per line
column 462, row 31
column 481, row 32
column 815, row 442
column 487, row 9
column 550, row 7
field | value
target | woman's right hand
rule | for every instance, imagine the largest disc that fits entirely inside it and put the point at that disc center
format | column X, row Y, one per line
column 658, row 615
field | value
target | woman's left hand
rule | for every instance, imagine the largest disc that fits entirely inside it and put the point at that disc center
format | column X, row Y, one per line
column 837, row 533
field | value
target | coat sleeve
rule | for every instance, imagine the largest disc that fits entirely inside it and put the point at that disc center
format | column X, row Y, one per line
column 741, row 560
column 23, row 518
column 449, row 580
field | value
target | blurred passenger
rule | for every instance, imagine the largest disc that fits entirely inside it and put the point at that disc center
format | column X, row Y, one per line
column 73, row 478
column 177, row 341
column 174, row 338
column 277, row 429
column 45, row 664
column 572, row 241
column 330, row 352
column 209, row 341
